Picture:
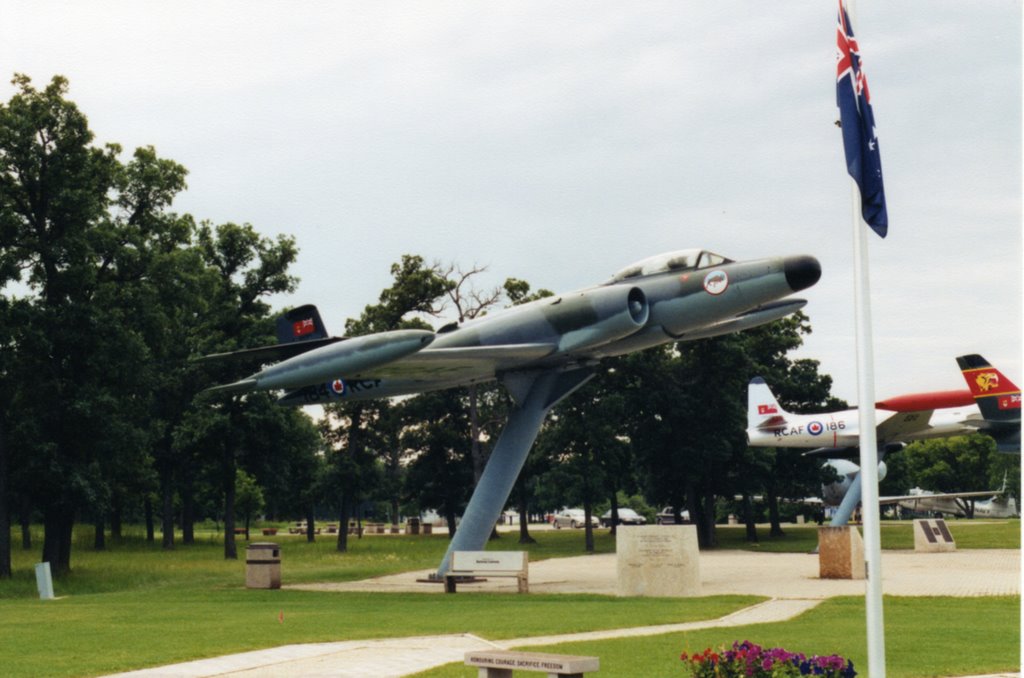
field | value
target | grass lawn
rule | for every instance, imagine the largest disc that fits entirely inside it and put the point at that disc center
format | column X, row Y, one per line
column 135, row 605
column 969, row 534
column 924, row 637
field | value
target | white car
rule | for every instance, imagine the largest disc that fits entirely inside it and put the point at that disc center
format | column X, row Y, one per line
column 627, row 516
column 573, row 518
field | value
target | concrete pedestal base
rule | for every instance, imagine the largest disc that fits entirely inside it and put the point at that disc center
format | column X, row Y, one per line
column 658, row 561
column 932, row 536
column 840, row 553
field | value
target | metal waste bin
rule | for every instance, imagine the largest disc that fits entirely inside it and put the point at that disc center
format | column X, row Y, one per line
column 263, row 565
column 412, row 526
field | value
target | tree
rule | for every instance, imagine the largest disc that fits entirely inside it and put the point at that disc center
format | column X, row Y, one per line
column 959, row 464
column 56, row 189
column 248, row 267
column 587, row 438
column 248, row 498
column 363, row 432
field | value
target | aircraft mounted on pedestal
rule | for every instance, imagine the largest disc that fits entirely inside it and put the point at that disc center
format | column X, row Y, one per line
column 541, row 351
column 677, row 296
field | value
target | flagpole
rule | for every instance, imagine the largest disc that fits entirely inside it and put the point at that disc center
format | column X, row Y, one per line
column 868, row 446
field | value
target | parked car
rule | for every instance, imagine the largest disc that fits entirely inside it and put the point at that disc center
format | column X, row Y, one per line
column 667, row 517
column 627, row 516
column 573, row 518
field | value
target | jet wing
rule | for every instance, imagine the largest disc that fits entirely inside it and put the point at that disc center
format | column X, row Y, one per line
column 266, row 354
column 902, row 424
column 446, row 364
column 938, row 495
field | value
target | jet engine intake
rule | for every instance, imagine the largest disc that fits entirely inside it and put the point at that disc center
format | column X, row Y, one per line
column 613, row 312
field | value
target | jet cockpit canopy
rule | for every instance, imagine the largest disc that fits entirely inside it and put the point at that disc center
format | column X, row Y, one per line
column 680, row 260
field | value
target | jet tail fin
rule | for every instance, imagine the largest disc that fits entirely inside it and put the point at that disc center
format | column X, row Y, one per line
column 300, row 324
column 299, row 330
column 997, row 397
column 763, row 409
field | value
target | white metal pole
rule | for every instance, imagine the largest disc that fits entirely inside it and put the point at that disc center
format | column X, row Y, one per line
column 868, row 445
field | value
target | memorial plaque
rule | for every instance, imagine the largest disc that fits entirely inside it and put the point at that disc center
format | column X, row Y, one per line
column 932, row 536
column 658, row 560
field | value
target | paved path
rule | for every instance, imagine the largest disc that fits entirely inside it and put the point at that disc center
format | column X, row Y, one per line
column 790, row 580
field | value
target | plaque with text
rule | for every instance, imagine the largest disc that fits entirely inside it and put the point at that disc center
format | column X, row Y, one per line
column 658, row 560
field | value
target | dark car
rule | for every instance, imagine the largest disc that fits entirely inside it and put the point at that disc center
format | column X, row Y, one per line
column 667, row 517
column 627, row 516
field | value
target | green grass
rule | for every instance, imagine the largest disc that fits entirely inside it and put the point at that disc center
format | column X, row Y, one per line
column 135, row 605
column 924, row 637
column 996, row 534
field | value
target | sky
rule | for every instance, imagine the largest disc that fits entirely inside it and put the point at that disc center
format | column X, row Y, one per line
column 559, row 142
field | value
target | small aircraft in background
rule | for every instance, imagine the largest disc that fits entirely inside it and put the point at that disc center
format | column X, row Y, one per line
column 991, row 406
column 541, row 351
column 986, row 503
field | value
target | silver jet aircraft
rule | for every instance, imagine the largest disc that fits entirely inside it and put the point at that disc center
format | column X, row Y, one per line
column 541, row 351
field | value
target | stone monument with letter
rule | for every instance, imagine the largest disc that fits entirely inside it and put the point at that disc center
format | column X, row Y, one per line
column 658, row 560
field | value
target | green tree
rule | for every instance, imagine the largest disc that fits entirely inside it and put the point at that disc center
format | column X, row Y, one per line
column 361, row 433
column 56, row 191
column 959, row 464
column 248, row 498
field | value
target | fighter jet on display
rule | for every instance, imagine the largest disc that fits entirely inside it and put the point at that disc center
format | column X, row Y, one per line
column 992, row 407
column 677, row 296
column 541, row 351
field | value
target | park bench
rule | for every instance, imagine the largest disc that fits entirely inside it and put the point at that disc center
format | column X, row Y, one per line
column 473, row 564
column 501, row 663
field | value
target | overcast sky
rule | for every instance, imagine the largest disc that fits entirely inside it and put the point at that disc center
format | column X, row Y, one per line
column 558, row 142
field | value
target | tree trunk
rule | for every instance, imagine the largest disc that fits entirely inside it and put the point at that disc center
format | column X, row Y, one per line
column 773, row 514
column 615, row 512
column 524, row 519
column 167, row 499
column 709, row 519
column 449, row 516
column 150, row 527
column 5, row 516
column 310, row 522
column 588, row 529
column 748, row 518
column 99, row 540
column 58, row 523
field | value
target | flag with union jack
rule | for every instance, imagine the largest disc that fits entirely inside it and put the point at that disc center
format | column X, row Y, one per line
column 860, row 140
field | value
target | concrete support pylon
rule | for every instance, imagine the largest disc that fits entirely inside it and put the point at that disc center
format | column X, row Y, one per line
column 534, row 394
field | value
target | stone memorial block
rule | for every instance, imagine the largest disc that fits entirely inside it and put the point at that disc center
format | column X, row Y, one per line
column 932, row 536
column 840, row 553
column 658, row 560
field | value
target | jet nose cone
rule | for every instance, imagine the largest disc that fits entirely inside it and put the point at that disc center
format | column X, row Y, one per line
column 802, row 272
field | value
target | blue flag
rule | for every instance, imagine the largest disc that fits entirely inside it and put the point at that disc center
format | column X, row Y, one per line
column 860, row 141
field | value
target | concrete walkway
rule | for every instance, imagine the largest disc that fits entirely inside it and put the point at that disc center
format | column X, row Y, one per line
column 790, row 580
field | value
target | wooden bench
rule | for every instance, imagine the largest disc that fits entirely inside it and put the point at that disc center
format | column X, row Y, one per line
column 488, row 564
column 501, row 663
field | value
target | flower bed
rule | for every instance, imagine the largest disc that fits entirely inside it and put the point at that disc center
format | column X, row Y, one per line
column 750, row 660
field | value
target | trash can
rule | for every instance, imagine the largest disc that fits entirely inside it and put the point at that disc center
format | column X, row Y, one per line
column 263, row 565
column 412, row 526
column 428, row 528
